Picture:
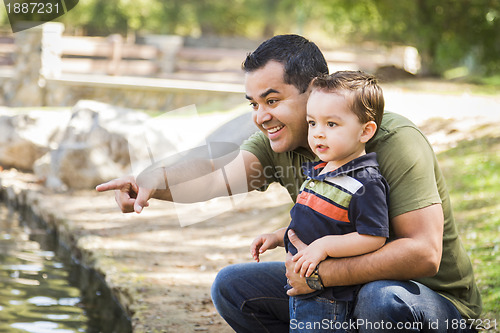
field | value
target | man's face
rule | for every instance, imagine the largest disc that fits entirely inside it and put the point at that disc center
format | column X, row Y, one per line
column 279, row 108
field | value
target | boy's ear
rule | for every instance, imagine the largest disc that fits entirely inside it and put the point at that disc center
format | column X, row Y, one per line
column 369, row 130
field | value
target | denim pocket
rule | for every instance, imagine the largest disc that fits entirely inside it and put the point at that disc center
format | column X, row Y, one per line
column 318, row 314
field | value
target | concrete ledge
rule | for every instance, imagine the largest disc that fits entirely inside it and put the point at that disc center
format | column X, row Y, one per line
column 132, row 82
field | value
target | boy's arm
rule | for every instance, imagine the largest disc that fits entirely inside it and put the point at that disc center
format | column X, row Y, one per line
column 336, row 246
column 415, row 253
column 350, row 245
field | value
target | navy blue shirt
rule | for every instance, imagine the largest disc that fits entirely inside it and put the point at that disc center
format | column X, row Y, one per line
column 352, row 198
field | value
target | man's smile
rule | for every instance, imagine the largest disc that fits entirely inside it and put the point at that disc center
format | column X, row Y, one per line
column 274, row 129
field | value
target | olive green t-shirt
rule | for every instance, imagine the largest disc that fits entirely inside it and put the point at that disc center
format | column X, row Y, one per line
column 410, row 166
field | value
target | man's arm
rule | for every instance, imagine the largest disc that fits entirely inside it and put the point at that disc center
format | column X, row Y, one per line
column 185, row 182
column 416, row 252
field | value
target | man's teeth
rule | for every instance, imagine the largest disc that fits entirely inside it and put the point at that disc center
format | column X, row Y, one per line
column 275, row 129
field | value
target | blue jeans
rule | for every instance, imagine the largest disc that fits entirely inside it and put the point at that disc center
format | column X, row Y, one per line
column 318, row 314
column 251, row 298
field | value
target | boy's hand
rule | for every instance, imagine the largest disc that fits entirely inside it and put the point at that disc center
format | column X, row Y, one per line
column 263, row 243
column 308, row 258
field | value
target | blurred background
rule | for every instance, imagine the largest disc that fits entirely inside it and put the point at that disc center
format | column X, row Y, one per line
column 206, row 40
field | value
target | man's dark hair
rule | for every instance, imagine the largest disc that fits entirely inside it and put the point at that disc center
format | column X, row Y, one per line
column 302, row 60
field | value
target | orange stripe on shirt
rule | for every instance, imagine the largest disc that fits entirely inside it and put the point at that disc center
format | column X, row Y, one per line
column 320, row 165
column 323, row 207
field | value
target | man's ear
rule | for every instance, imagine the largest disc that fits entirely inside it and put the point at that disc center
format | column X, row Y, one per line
column 369, row 130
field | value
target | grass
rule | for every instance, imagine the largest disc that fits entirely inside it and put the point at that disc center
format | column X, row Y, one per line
column 473, row 178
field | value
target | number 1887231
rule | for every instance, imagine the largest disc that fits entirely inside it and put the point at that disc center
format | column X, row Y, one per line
column 32, row 8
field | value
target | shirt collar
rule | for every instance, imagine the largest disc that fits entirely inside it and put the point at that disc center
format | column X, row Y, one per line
column 313, row 169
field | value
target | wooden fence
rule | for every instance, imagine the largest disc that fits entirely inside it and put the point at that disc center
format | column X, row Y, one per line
column 108, row 55
column 113, row 55
column 7, row 49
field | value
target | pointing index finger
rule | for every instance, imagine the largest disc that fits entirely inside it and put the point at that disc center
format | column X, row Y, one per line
column 114, row 184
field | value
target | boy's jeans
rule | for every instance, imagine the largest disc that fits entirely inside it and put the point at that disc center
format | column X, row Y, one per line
column 251, row 298
column 318, row 314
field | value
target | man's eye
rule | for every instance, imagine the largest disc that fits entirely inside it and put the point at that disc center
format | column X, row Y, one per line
column 253, row 105
column 272, row 101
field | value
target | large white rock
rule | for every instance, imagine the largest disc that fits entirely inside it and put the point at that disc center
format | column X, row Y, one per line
column 96, row 146
column 95, row 142
column 25, row 136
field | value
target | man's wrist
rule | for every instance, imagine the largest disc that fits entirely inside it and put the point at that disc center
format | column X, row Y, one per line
column 314, row 280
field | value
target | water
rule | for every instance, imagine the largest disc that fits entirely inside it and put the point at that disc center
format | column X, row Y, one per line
column 35, row 295
column 42, row 290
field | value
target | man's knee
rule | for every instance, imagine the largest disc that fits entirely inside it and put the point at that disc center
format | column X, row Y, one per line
column 384, row 299
column 222, row 283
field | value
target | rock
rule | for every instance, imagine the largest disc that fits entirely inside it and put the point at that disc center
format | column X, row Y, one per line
column 97, row 144
column 25, row 136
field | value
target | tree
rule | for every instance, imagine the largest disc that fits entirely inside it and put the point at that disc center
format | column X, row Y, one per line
column 447, row 33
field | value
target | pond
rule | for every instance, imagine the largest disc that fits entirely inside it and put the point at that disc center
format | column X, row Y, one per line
column 43, row 290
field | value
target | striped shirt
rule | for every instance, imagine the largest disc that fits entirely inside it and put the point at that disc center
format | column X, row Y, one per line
column 352, row 198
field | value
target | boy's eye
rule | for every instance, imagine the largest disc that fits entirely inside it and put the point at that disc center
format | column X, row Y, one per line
column 311, row 123
column 331, row 124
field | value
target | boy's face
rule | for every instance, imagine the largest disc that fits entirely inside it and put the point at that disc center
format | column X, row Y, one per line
column 335, row 132
column 279, row 108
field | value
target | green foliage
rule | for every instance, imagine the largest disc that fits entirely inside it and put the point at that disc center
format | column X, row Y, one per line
column 3, row 16
column 449, row 34
column 471, row 171
column 255, row 18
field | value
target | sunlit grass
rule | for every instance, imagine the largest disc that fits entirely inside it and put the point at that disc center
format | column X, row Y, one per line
column 472, row 171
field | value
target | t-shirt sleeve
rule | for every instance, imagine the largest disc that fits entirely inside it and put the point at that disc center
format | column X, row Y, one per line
column 260, row 147
column 369, row 208
column 408, row 163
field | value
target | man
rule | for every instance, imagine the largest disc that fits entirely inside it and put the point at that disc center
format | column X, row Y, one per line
column 421, row 280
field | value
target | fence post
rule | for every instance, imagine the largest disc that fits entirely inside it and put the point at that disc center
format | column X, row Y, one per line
column 37, row 58
column 116, row 41
column 169, row 46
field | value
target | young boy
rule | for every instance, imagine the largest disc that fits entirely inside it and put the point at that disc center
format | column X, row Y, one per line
column 342, row 207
